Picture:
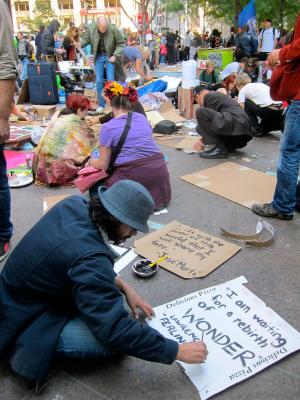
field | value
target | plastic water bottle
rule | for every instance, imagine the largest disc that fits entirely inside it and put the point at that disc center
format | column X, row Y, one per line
column 61, row 96
column 260, row 74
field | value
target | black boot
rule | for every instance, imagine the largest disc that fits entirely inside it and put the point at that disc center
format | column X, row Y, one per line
column 217, row 152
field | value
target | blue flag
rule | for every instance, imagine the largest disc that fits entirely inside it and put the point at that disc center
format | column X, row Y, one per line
column 248, row 17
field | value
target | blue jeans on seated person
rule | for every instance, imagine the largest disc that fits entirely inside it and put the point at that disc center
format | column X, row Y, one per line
column 101, row 63
column 287, row 192
column 77, row 341
column 6, row 227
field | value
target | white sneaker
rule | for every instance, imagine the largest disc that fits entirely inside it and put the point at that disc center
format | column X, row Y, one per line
column 99, row 109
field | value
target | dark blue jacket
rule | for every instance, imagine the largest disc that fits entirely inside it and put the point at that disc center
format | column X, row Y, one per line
column 63, row 268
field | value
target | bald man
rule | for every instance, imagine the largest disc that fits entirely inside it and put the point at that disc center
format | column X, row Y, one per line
column 107, row 45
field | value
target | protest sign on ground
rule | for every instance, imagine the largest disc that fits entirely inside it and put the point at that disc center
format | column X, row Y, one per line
column 242, row 334
column 191, row 253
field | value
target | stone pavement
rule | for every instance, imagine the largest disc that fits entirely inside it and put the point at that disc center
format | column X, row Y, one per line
column 273, row 274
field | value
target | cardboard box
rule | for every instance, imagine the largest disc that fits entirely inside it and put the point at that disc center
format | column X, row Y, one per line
column 166, row 112
column 91, row 94
column 186, row 105
column 44, row 111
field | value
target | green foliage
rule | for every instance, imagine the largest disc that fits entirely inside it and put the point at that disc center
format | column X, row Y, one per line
column 282, row 12
column 43, row 15
column 174, row 5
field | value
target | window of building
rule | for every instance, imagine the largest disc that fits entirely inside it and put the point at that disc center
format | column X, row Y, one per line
column 22, row 5
column 65, row 4
column 88, row 4
column 111, row 3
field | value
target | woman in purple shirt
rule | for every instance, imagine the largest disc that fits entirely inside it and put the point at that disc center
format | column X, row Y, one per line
column 140, row 159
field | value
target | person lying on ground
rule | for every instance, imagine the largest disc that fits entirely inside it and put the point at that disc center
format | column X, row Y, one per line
column 65, row 146
column 60, row 296
column 255, row 99
column 133, row 56
column 221, row 123
column 139, row 159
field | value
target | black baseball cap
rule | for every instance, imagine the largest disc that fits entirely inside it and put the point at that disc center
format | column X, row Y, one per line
column 198, row 89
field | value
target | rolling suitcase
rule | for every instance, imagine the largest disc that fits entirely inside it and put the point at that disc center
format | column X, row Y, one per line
column 42, row 83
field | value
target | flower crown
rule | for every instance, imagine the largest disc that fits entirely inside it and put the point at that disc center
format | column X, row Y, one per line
column 113, row 88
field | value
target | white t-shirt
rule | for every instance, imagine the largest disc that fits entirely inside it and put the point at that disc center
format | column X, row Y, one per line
column 259, row 93
column 268, row 37
column 187, row 41
column 231, row 68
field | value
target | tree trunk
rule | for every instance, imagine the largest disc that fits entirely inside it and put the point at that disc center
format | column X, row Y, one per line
column 281, row 13
column 238, row 9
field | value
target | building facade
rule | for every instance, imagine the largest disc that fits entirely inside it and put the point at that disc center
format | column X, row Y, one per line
column 82, row 11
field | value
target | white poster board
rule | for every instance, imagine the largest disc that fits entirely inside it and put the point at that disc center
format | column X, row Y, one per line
column 242, row 334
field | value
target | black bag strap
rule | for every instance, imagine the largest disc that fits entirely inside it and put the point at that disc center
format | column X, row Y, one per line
column 117, row 149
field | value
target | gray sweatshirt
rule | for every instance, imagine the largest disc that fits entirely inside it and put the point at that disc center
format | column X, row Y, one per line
column 8, row 54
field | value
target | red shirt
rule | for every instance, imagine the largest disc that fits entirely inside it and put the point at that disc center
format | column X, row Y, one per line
column 291, row 52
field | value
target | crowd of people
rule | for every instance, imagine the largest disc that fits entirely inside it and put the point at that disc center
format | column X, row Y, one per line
column 60, row 280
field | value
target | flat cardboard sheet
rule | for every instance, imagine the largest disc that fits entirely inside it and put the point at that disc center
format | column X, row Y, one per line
column 235, row 182
column 188, row 143
column 243, row 335
column 51, row 201
column 168, row 140
column 192, row 253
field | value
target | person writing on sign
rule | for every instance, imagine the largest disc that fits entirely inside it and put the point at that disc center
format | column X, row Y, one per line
column 221, row 123
column 139, row 159
column 60, row 296
column 133, row 56
column 65, row 145
column 286, row 198
column 21, row 116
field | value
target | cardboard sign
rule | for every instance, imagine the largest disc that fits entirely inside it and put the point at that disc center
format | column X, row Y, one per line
column 186, row 105
column 242, row 334
column 235, row 182
column 192, row 253
column 51, row 201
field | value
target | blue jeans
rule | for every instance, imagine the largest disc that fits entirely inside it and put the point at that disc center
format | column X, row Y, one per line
column 77, row 341
column 6, row 227
column 162, row 59
column 101, row 63
column 287, row 192
column 24, row 63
